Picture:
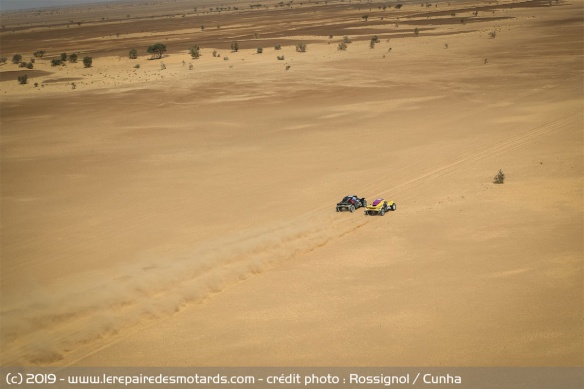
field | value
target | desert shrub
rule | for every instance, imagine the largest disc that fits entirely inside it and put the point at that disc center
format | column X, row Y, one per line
column 36, row 84
column 287, row 67
column 398, row 6
column 191, row 67
column 493, row 34
column 73, row 85
column 64, row 57
column 416, row 31
column 73, row 58
column 162, row 66
column 215, row 54
column 16, row 58
column 3, row 60
column 347, row 40
column 260, row 50
column 280, row 58
column 195, row 52
column 39, row 54
column 29, row 65
column 225, row 58
column 234, row 46
column 22, row 65
column 22, row 79
column 137, row 66
column 32, row 60
column 278, row 47
column 499, row 178
column 301, row 47
column 87, row 62
column 156, row 50
column 365, row 17
column 133, row 53
column 342, row 46
column 446, row 45
column 56, row 62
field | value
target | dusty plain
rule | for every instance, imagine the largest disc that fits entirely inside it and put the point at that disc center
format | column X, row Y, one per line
column 185, row 216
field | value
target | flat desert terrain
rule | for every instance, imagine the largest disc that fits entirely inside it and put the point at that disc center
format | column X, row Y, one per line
column 181, row 211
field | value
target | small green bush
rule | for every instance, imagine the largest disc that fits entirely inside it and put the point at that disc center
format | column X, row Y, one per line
column 87, row 62
column 499, row 178
column 195, row 52
column 23, row 79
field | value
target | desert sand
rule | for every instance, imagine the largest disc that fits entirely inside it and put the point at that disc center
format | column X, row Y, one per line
column 185, row 216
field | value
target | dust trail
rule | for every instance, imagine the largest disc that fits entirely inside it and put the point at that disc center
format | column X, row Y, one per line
column 42, row 327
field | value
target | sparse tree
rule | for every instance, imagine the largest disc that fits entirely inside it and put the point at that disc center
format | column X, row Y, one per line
column 347, row 40
column 234, row 46
column 39, row 54
column 133, row 53
column 301, row 47
column 87, row 62
column 64, row 57
column 73, row 58
column 156, row 50
column 23, row 79
column 260, row 50
column 3, row 60
column 195, row 52
column 16, row 58
column 499, row 178
column 56, row 62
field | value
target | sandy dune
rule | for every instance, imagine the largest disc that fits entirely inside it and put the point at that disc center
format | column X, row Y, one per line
column 187, row 214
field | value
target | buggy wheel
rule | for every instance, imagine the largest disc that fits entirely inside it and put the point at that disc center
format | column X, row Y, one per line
column 393, row 207
column 352, row 209
column 338, row 209
column 382, row 212
column 364, row 202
